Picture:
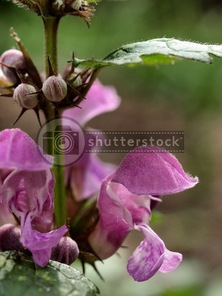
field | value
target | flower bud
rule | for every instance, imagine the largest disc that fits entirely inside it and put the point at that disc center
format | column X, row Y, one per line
column 75, row 80
column 10, row 238
column 12, row 58
column 54, row 88
column 25, row 95
column 66, row 251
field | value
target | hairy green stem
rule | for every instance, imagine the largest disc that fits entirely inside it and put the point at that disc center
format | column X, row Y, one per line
column 51, row 29
column 50, row 112
column 60, row 195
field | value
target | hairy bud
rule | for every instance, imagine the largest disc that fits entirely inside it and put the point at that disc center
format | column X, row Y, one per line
column 25, row 95
column 15, row 59
column 10, row 238
column 54, row 88
column 66, row 251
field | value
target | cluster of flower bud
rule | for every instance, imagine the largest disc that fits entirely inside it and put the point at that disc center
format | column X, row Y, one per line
column 26, row 94
column 31, row 91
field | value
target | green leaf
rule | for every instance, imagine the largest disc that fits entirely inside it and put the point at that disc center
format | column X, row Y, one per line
column 156, row 51
column 19, row 276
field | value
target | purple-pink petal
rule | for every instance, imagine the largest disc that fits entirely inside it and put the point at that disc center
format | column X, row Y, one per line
column 26, row 191
column 100, row 99
column 119, row 210
column 148, row 256
column 137, row 205
column 29, row 196
column 41, row 257
column 30, row 192
column 87, row 174
column 95, row 172
column 19, row 151
column 114, row 224
column 40, row 244
column 171, row 261
column 151, row 256
column 152, row 171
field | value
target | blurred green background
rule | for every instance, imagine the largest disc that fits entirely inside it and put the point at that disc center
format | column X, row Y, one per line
column 186, row 96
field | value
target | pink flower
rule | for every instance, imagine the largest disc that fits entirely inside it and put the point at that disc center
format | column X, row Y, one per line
column 87, row 173
column 27, row 192
column 124, row 204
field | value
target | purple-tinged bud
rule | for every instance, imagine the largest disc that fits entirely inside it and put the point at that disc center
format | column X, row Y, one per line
column 54, row 88
column 15, row 59
column 66, row 251
column 25, row 95
column 10, row 238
